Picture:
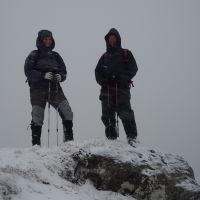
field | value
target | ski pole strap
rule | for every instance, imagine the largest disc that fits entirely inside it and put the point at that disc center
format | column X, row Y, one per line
column 57, row 124
column 125, row 55
column 108, row 88
column 108, row 93
column 56, row 88
column 116, row 95
column 116, row 107
column 49, row 93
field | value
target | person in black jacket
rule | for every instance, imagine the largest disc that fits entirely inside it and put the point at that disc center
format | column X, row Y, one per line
column 45, row 69
column 113, row 73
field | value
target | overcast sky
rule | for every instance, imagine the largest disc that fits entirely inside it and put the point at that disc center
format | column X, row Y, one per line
column 163, row 35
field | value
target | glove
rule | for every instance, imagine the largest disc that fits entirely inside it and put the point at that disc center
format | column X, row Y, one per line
column 57, row 78
column 48, row 76
column 113, row 79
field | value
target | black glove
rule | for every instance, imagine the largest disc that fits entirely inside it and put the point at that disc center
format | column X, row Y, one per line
column 57, row 78
column 113, row 79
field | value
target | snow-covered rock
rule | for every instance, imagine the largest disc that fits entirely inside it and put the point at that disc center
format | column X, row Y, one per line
column 94, row 170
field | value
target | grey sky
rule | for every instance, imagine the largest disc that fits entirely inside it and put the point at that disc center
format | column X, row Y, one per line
column 164, row 38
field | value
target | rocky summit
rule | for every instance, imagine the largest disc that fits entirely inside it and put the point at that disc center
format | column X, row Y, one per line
column 114, row 169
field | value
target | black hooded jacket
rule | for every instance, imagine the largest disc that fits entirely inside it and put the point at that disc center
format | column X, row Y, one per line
column 41, row 61
column 112, row 67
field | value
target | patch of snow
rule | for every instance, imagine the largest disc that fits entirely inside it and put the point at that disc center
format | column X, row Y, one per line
column 33, row 173
column 189, row 185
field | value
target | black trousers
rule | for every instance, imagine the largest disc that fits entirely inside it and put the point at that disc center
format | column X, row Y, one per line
column 117, row 100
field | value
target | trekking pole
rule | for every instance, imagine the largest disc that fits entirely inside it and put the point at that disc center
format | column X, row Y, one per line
column 57, row 115
column 117, row 104
column 108, row 88
column 49, row 91
column 57, row 124
column 108, row 127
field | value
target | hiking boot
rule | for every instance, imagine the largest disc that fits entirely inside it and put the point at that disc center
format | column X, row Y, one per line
column 133, row 142
column 111, row 132
column 36, row 134
column 68, row 132
column 68, row 135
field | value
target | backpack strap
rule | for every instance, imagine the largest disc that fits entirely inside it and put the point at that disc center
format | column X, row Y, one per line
column 125, row 54
column 104, row 55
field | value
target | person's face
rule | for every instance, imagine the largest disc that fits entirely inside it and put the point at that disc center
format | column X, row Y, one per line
column 47, row 41
column 112, row 40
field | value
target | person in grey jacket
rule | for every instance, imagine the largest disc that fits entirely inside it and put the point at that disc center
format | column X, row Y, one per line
column 45, row 69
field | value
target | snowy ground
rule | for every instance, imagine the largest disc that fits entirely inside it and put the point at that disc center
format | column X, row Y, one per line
column 32, row 173
column 36, row 173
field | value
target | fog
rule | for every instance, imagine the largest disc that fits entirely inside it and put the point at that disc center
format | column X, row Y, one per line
column 164, row 39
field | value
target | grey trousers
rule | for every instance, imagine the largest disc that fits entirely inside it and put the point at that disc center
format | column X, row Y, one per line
column 39, row 98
